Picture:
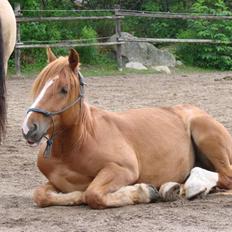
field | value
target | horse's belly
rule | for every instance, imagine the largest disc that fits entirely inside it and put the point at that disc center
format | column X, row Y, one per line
column 166, row 153
column 173, row 166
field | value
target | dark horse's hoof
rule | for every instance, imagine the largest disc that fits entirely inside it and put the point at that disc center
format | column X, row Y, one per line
column 170, row 191
column 154, row 194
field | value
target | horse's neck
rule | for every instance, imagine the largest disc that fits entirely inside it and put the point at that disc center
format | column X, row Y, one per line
column 72, row 138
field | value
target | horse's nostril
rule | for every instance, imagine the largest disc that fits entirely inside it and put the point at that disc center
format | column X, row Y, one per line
column 34, row 127
column 32, row 132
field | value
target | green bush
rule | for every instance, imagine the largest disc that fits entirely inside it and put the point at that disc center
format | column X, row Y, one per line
column 91, row 54
column 88, row 54
column 217, row 56
column 51, row 32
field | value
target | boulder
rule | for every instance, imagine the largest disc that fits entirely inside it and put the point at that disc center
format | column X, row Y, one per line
column 164, row 69
column 144, row 53
column 179, row 63
column 135, row 65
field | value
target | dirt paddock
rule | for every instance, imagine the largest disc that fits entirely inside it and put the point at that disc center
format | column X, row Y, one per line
column 19, row 174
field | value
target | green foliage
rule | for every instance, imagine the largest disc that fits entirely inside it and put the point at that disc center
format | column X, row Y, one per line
column 50, row 32
column 218, row 56
column 158, row 28
column 211, row 56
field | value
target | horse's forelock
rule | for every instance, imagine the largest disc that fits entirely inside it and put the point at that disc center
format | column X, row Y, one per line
column 71, row 80
column 59, row 67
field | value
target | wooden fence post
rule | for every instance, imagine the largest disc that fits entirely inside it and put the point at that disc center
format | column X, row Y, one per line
column 18, row 40
column 118, row 36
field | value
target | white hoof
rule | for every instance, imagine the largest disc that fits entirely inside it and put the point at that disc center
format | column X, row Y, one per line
column 200, row 182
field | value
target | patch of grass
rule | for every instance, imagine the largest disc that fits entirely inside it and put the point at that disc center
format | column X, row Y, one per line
column 110, row 69
column 27, row 71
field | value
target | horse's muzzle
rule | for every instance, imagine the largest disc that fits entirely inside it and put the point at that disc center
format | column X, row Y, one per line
column 34, row 134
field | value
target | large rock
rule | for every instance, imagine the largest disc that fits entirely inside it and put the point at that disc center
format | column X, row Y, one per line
column 144, row 53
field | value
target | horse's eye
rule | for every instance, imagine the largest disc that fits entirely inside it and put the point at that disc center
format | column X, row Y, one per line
column 64, row 90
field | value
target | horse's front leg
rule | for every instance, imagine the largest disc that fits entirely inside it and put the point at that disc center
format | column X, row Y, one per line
column 112, row 188
column 47, row 195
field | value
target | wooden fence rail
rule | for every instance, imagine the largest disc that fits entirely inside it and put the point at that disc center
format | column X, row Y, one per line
column 164, row 15
column 118, row 16
column 161, row 40
column 65, row 18
column 66, row 44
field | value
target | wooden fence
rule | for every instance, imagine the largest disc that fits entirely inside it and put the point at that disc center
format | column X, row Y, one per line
column 119, row 15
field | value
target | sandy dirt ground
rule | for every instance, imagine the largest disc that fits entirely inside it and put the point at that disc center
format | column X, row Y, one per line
column 19, row 174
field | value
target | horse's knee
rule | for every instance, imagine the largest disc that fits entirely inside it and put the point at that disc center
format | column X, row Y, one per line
column 94, row 199
column 41, row 197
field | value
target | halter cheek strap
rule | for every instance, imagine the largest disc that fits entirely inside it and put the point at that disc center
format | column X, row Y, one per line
column 50, row 114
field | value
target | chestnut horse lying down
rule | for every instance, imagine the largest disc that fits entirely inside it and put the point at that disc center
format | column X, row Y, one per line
column 107, row 159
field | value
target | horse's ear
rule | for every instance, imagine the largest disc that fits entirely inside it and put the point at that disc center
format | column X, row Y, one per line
column 73, row 59
column 51, row 56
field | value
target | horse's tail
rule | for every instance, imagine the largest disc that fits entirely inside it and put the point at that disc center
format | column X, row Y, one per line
column 2, row 87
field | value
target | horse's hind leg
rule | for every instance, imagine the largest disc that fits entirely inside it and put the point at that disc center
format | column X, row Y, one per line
column 199, row 183
column 215, row 142
column 46, row 195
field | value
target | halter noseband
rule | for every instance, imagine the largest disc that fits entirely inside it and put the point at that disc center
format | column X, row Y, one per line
column 50, row 114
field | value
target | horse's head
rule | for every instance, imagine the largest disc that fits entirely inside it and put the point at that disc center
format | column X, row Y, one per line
column 57, row 97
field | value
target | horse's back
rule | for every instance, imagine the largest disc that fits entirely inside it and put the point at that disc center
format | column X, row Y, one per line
column 202, row 125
